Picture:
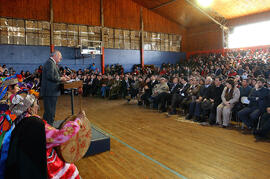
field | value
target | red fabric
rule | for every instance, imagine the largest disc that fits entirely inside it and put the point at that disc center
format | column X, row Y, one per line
column 232, row 74
column 163, row 72
column 58, row 168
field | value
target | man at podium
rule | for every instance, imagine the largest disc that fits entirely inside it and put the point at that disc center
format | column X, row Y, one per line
column 50, row 85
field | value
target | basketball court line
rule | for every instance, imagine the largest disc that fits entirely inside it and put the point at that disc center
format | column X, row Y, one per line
column 139, row 152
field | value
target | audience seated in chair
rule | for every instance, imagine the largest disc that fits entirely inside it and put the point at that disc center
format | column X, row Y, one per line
column 230, row 96
column 195, row 107
column 179, row 95
column 258, row 102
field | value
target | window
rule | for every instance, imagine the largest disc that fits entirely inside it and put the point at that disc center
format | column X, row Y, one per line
column 256, row 34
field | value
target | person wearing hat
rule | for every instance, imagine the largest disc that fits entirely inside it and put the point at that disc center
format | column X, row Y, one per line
column 50, row 85
column 8, row 90
column 166, row 98
column 157, row 92
column 229, row 96
column 259, row 97
column 32, row 153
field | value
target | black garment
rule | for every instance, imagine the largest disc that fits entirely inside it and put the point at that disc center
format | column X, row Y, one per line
column 96, row 87
column 218, row 72
column 166, row 98
column 174, row 88
column 27, row 152
column 180, row 94
column 151, row 85
column 265, row 125
column 87, row 87
column 215, row 94
column 196, row 108
column 125, row 87
column 205, row 92
column 259, row 99
column 147, row 94
column 192, row 96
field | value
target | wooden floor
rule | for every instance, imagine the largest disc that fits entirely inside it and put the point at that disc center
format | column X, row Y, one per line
column 189, row 149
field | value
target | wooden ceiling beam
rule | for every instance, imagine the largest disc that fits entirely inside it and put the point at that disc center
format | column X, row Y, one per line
column 163, row 4
column 206, row 14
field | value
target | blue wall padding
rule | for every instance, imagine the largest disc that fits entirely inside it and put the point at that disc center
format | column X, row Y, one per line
column 158, row 57
column 127, row 58
column 30, row 57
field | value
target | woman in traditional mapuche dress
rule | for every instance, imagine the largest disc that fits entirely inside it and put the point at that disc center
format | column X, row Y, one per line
column 31, row 151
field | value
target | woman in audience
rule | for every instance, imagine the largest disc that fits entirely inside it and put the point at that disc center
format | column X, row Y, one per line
column 230, row 96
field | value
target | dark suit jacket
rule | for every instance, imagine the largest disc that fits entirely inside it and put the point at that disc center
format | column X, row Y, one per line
column 263, row 98
column 175, row 89
column 50, row 84
column 204, row 92
column 184, row 90
column 218, row 72
column 125, row 85
column 151, row 84
column 97, row 84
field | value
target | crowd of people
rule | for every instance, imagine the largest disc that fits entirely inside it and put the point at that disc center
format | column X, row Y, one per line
column 211, row 89
column 207, row 88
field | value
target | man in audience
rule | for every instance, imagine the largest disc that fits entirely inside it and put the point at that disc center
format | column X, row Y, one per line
column 97, row 85
column 115, row 88
column 218, row 71
column 215, row 99
column 153, row 82
column 180, row 95
column 192, row 94
column 158, row 90
column 258, row 100
column 167, row 97
column 245, row 89
column 195, row 107
column 126, row 86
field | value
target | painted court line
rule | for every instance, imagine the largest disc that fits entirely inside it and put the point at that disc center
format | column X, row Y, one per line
column 139, row 152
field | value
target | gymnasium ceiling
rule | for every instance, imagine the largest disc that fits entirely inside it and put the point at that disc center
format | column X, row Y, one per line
column 185, row 12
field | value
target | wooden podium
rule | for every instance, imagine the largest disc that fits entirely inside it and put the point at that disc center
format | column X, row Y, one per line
column 72, row 86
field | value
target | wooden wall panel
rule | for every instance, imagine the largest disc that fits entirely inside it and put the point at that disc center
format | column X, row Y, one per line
column 154, row 22
column 25, row 9
column 208, row 37
column 77, row 11
column 123, row 14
